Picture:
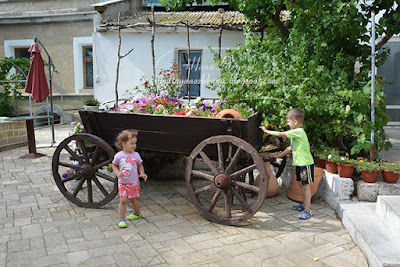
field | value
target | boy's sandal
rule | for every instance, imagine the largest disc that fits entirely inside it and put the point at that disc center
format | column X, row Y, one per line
column 134, row 216
column 122, row 223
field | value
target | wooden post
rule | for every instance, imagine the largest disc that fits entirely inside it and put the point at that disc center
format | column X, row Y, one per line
column 221, row 11
column 153, row 26
column 188, row 65
column 119, row 57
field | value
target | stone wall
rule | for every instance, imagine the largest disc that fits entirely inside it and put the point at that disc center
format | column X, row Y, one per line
column 12, row 134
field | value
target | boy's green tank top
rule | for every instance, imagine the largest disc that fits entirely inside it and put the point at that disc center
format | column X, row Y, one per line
column 300, row 147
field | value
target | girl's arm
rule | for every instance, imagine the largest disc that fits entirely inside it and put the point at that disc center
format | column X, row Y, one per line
column 274, row 133
column 141, row 171
column 116, row 171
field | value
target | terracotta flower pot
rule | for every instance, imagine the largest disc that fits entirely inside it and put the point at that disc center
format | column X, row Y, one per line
column 390, row 177
column 229, row 113
column 321, row 163
column 272, row 183
column 369, row 177
column 294, row 192
column 345, row 170
column 331, row 167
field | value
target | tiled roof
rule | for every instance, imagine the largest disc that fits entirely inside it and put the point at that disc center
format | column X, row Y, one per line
column 232, row 19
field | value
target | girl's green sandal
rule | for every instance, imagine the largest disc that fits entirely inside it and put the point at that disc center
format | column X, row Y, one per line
column 134, row 216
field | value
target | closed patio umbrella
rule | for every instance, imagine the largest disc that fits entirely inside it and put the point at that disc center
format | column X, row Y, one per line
column 37, row 83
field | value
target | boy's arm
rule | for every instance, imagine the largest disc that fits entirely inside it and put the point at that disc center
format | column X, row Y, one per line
column 281, row 154
column 274, row 133
column 141, row 171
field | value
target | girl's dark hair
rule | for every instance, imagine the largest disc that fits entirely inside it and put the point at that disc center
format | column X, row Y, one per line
column 124, row 136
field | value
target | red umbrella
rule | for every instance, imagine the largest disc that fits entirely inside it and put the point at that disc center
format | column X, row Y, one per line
column 37, row 82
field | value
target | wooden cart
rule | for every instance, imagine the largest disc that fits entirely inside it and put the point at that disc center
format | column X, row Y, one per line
column 223, row 160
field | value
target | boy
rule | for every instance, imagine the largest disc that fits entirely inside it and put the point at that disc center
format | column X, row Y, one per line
column 302, row 157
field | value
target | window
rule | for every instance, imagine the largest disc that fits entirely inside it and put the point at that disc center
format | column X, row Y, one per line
column 391, row 70
column 83, row 63
column 22, row 52
column 87, row 66
column 195, row 72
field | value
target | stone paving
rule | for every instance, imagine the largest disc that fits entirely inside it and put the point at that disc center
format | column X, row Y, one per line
column 39, row 227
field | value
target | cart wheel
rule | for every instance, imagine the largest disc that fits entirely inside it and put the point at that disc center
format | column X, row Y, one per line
column 95, row 187
column 213, row 186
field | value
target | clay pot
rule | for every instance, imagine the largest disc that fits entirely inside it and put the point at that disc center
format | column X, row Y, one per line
column 369, row 177
column 331, row 167
column 294, row 192
column 390, row 177
column 229, row 113
column 321, row 163
column 345, row 170
column 272, row 182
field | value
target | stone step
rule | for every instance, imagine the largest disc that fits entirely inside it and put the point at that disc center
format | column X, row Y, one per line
column 371, row 234
column 388, row 209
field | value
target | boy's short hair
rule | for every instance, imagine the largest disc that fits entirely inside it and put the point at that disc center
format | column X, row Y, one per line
column 296, row 114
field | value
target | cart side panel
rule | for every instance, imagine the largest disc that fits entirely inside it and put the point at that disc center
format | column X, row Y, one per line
column 172, row 134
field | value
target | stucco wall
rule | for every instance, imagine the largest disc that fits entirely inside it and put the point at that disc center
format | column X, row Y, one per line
column 58, row 40
column 139, row 62
column 37, row 5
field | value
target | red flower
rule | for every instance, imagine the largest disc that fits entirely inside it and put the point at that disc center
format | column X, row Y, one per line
column 180, row 113
column 146, row 83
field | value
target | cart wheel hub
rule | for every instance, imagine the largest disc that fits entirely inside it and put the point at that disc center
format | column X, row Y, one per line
column 87, row 171
column 222, row 181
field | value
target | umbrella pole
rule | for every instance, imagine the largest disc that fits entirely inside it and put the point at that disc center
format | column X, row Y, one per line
column 51, row 66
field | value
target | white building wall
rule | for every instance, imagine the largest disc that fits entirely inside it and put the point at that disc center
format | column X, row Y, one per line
column 139, row 63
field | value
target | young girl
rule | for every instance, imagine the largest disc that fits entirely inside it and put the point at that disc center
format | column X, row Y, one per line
column 126, row 165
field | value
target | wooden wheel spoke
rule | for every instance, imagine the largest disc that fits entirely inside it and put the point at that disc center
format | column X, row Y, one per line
column 84, row 150
column 203, row 189
column 78, row 187
column 73, row 154
column 208, row 162
column 104, row 163
column 242, row 201
column 100, row 186
column 69, row 165
column 227, row 199
column 246, row 186
column 234, row 160
column 90, row 190
column 243, row 171
column 214, row 200
column 76, row 175
column 95, row 155
column 220, row 157
column 203, row 175
column 105, row 176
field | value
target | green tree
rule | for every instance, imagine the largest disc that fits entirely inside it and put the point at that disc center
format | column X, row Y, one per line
column 8, row 93
column 310, row 65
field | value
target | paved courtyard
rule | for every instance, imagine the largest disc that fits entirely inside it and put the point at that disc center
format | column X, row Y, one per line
column 39, row 227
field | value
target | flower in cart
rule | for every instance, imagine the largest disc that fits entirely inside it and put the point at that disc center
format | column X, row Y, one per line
column 77, row 127
column 180, row 113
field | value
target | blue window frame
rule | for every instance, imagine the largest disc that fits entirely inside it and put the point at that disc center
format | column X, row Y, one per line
column 195, row 72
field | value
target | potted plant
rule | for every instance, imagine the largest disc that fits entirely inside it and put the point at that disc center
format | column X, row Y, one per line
column 332, row 158
column 345, row 166
column 369, row 170
column 321, row 155
column 72, row 184
column 390, row 172
column 91, row 103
